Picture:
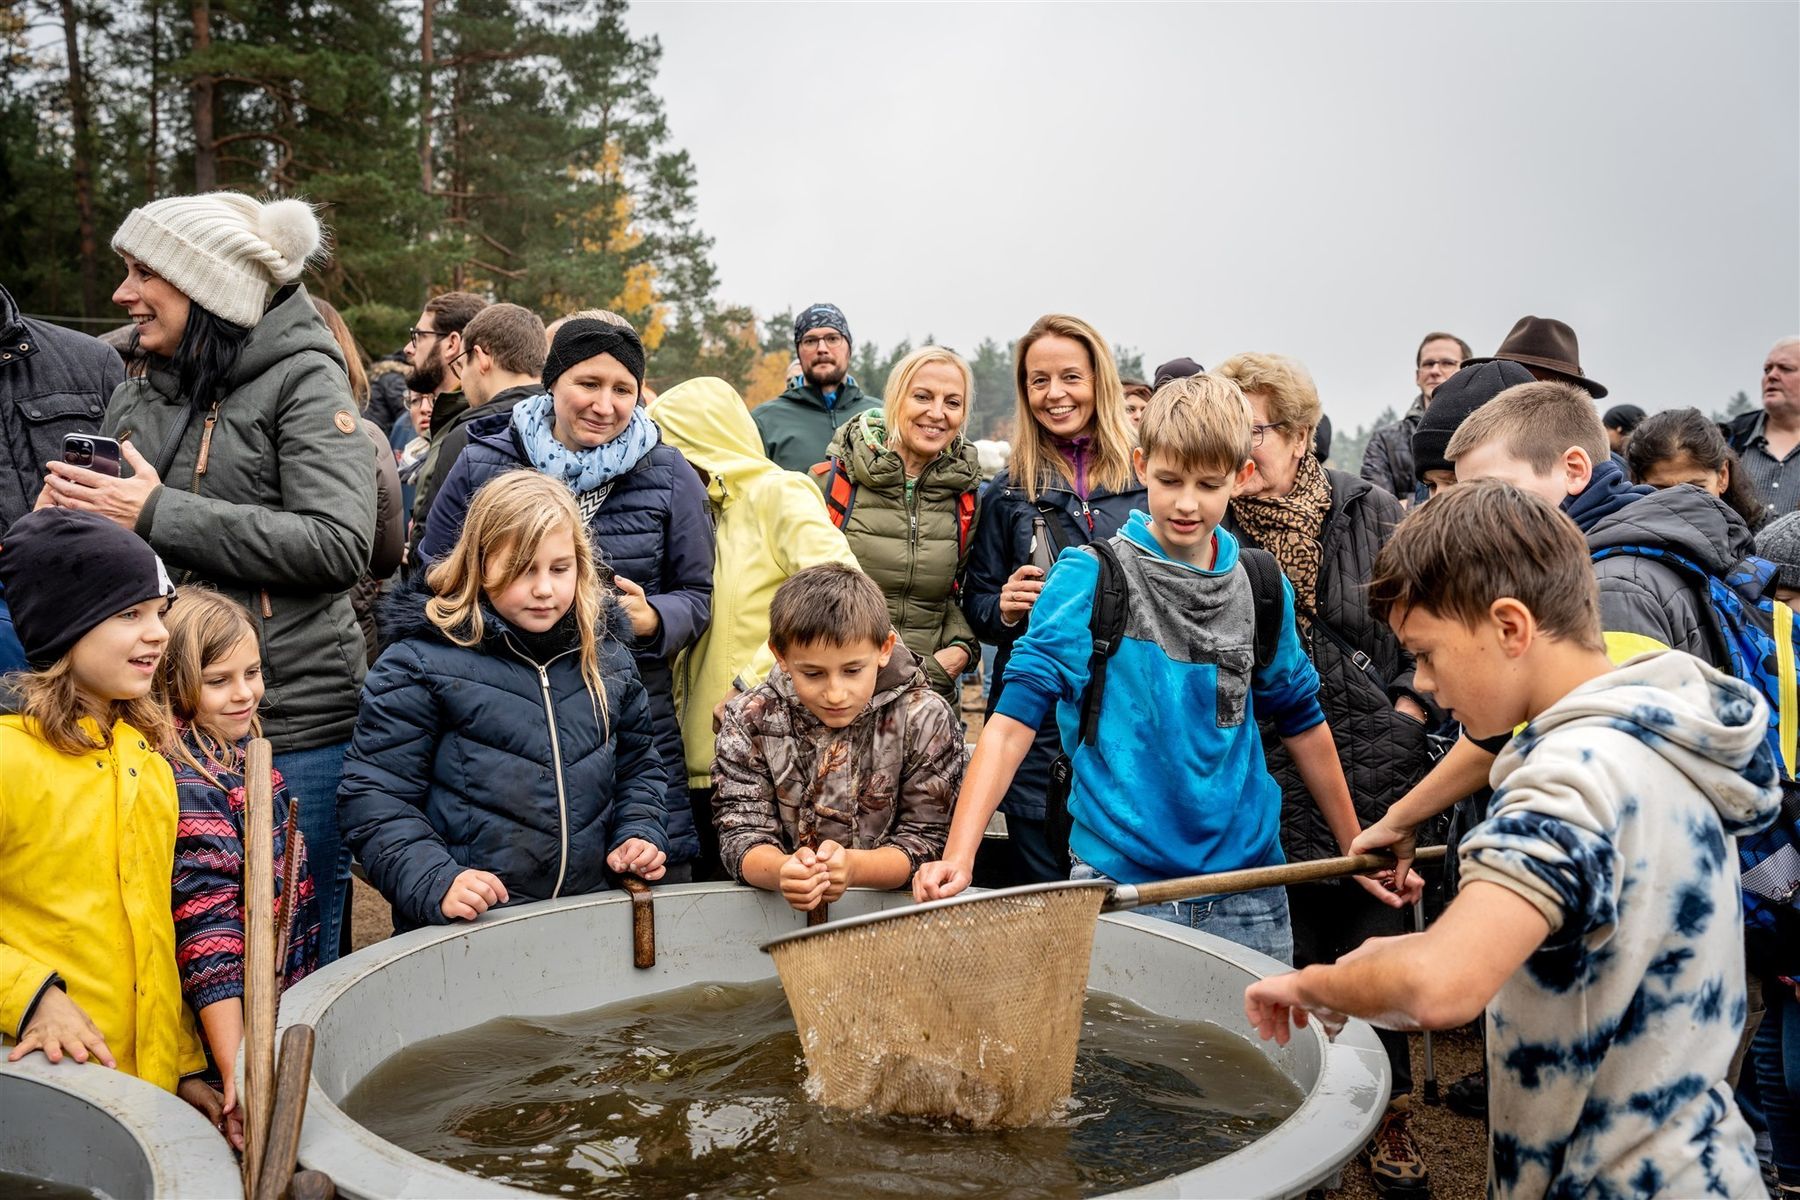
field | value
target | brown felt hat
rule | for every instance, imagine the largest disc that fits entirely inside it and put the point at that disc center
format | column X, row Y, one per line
column 1547, row 344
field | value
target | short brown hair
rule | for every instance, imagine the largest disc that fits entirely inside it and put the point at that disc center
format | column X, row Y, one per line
column 451, row 312
column 1201, row 422
column 1440, row 336
column 514, row 336
column 1483, row 541
column 1539, row 421
column 1293, row 397
column 833, row 603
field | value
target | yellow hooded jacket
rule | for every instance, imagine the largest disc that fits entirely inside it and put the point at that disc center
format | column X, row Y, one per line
column 87, row 861
column 770, row 523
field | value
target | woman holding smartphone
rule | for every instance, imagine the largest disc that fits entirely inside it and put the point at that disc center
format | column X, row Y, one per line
column 1070, row 482
column 246, row 469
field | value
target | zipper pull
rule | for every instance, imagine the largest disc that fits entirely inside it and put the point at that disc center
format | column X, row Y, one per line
column 1088, row 515
column 206, row 432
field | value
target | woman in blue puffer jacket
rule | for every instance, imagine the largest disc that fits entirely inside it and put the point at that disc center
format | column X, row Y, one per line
column 1071, row 469
column 645, row 508
column 503, row 751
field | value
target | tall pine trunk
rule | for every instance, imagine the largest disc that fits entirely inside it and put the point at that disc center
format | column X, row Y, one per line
column 206, row 163
column 84, row 162
column 425, row 63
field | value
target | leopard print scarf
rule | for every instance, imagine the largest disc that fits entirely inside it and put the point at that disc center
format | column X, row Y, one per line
column 1289, row 527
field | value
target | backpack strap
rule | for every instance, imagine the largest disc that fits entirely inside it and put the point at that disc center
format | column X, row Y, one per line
column 1266, row 590
column 1107, row 628
column 839, row 489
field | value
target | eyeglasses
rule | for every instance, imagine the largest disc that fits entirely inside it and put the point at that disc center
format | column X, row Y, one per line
column 419, row 335
column 1452, row 363
column 1259, row 432
column 828, row 341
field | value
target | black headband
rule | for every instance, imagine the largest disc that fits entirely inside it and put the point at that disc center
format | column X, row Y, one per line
column 582, row 338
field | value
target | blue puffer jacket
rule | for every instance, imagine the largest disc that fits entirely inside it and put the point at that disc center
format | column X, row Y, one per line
column 654, row 530
column 455, row 764
column 1002, row 546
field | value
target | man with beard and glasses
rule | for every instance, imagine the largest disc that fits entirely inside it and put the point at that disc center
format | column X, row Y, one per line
column 797, row 426
column 437, row 362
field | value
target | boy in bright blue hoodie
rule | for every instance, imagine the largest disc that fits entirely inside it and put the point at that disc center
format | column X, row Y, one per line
column 1174, row 782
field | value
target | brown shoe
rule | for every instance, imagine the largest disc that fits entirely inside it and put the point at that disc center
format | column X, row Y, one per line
column 1395, row 1164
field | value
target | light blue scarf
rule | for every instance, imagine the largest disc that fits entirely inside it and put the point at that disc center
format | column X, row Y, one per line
column 584, row 470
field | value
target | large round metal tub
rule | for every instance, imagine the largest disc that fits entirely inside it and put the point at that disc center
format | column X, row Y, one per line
column 92, row 1127
column 570, row 955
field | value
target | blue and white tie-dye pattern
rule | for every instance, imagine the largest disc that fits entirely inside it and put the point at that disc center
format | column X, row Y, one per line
column 1607, row 1052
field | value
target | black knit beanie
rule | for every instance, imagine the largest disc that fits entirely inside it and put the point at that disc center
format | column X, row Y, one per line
column 1779, row 542
column 582, row 338
column 66, row 572
column 1451, row 404
column 1177, row 368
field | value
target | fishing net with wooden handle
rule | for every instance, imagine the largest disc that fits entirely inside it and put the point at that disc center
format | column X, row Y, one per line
column 967, row 1008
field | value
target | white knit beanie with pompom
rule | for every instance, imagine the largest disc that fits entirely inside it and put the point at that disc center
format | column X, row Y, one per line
column 225, row 251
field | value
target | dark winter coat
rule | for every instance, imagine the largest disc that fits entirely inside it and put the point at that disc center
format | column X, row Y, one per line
column 654, row 530
column 282, row 520
column 387, row 392
column 798, row 425
column 1640, row 596
column 1002, row 546
column 1382, row 751
column 53, row 381
column 480, row 758
column 904, row 533
column 447, row 446
column 1388, row 461
column 448, row 412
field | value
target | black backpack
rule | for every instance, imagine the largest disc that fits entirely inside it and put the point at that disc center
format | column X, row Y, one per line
column 1107, row 626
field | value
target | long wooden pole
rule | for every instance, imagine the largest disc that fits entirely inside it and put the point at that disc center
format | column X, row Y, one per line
column 260, row 981
column 1252, row 878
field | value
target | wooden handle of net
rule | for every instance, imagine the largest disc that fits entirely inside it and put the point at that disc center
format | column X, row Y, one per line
column 260, row 979
column 1128, row 896
column 643, row 921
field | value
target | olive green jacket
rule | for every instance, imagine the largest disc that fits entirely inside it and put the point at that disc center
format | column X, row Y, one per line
column 281, row 515
column 903, row 533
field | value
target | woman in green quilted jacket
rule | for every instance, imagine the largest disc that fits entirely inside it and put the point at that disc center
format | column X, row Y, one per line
column 902, row 484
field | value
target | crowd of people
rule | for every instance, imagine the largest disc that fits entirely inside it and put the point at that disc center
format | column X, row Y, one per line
column 516, row 626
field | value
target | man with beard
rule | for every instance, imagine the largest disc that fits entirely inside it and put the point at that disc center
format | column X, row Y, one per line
column 797, row 425
column 437, row 361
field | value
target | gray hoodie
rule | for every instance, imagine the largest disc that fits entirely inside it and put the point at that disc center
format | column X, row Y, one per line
column 1613, row 815
column 281, row 519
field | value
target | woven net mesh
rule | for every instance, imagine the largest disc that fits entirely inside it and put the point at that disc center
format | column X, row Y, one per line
column 970, row 1011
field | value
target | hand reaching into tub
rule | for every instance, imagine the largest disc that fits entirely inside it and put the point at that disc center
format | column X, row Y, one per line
column 1273, row 1003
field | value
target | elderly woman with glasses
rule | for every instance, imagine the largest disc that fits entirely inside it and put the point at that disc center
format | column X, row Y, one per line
column 1325, row 528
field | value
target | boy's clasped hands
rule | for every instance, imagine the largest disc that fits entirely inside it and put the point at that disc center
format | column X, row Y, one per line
column 473, row 892
column 811, row 877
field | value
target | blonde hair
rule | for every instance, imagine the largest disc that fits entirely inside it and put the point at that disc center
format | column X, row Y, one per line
column 1201, row 422
column 1293, row 398
column 900, row 381
column 1034, row 457
column 1536, row 422
column 203, row 628
column 508, row 521
column 52, row 707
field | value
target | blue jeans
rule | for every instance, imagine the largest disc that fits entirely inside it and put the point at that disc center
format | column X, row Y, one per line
column 312, row 780
column 1255, row 920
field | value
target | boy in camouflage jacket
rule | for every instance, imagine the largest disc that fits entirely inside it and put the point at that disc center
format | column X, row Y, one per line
column 840, row 769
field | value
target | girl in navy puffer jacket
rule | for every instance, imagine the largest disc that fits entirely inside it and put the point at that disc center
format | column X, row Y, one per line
column 504, row 748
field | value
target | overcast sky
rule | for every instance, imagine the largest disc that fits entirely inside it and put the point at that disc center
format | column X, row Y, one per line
column 1326, row 181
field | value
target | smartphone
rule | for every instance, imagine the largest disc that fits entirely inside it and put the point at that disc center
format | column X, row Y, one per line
column 92, row 451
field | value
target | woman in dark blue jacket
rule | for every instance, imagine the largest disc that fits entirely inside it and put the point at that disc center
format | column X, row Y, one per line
column 503, row 751
column 645, row 509
column 1071, row 469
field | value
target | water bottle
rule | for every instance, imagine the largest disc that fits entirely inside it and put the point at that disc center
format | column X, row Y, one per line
column 1042, row 556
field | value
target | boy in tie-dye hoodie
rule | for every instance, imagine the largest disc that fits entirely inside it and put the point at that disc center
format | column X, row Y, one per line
column 1597, row 920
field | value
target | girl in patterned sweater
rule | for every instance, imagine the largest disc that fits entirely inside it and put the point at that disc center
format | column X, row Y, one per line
column 211, row 679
